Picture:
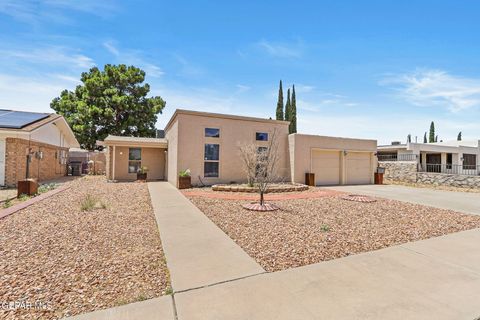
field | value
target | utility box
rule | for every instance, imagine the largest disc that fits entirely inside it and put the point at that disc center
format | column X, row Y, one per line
column 310, row 179
column 379, row 175
column 27, row 186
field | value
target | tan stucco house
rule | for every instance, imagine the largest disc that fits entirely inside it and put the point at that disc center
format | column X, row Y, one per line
column 208, row 145
column 45, row 137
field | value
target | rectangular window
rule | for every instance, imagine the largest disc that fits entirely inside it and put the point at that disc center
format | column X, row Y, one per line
column 211, row 169
column 134, row 159
column 261, row 136
column 469, row 161
column 212, row 152
column 211, row 157
column 212, row 133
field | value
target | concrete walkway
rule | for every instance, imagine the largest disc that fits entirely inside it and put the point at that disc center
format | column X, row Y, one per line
column 433, row 279
column 153, row 309
column 198, row 253
column 467, row 202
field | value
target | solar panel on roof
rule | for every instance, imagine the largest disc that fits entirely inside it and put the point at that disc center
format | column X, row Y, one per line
column 19, row 119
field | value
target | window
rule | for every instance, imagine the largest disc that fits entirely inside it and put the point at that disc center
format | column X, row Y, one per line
column 261, row 136
column 211, row 169
column 469, row 161
column 449, row 161
column 211, row 157
column 212, row 151
column 134, row 159
column 212, row 133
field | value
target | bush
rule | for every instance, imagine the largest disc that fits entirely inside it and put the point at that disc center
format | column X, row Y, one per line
column 88, row 203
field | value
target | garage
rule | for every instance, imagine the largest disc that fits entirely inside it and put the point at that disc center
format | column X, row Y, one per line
column 326, row 167
column 358, row 168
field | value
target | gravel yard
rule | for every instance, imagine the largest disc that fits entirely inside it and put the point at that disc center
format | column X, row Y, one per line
column 307, row 231
column 79, row 261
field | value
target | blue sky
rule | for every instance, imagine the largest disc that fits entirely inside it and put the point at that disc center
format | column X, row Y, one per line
column 367, row 69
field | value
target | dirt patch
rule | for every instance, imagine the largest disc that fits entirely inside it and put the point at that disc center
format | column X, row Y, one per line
column 307, row 231
column 75, row 261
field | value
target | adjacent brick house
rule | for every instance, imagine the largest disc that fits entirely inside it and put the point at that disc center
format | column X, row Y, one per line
column 43, row 138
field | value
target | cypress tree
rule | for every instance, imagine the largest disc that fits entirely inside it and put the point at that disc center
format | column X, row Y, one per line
column 425, row 138
column 288, row 108
column 459, row 137
column 436, row 138
column 280, row 103
column 431, row 137
column 293, row 123
column 409, row 138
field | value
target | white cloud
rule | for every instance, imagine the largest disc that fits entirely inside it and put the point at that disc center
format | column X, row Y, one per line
column 32, row 94
column 52, row 55
column 437, row 88
column 241, row 88
column 282, row 50
column 133, row 57
column 48, row 11
column 109, row 45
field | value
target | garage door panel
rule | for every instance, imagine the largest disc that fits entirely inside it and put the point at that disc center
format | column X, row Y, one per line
column 326, row 167
column 358, row 168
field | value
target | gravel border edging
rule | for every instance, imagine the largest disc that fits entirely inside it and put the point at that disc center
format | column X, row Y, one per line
column 273, row 189
column 8, row 211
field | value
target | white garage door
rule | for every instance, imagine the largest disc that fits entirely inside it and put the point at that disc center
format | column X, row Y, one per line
column 326, row 167
column 358, row 168
column 2, row 162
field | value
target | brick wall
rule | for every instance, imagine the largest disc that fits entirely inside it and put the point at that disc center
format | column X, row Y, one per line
column 50, row 167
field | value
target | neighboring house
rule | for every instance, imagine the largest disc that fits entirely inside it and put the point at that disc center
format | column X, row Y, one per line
column 42, row 137
column 208, row 145
column 454, row 157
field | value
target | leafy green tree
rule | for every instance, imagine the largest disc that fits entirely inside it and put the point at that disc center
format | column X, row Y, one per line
column 409, row 138
column 280, row 102
column 425, row 138
column 110, row 101
column 431, row 137
column 293, row 115
column 288, row 108
column 459, row 137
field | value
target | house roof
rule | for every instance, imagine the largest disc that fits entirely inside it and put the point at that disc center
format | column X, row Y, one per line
column 135, row 141
column 25, row 122
column 456, row 143
column 14, row 119
column 220, row 116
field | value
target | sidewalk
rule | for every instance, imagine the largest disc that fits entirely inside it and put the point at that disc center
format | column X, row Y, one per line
column 198, row 253
column 435, row 279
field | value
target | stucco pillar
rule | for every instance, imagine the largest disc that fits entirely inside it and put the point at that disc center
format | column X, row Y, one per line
column 443, row 161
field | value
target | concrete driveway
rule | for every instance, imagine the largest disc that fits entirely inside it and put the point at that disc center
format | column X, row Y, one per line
column 466, row 202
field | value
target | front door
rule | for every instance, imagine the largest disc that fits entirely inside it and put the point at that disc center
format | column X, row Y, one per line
column 434, row 162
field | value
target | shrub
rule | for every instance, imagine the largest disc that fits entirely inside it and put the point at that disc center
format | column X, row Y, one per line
column 23, row 197
column 184, row 173
column 88, row 203
column 7, row 203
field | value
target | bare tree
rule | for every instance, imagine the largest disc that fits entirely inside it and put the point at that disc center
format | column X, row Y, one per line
column 248, row 154
column 261, row 164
